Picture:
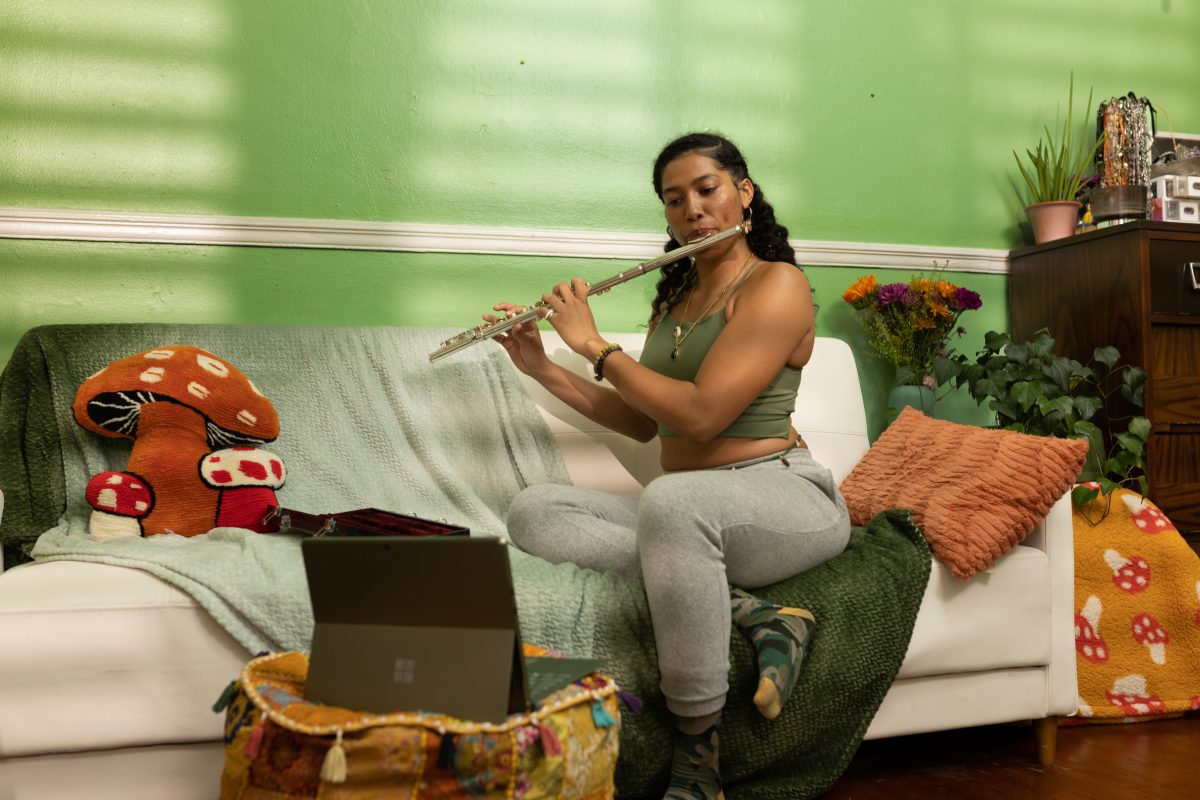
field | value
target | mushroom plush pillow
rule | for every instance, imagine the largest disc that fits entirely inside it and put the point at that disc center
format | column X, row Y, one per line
column 195, row 421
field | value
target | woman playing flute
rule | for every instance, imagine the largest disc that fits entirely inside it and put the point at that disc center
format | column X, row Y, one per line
column 742, row 504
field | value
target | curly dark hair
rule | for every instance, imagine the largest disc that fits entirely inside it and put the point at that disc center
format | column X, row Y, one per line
column 767, row 238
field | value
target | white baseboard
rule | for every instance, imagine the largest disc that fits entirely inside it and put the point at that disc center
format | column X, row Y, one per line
column 340, row 234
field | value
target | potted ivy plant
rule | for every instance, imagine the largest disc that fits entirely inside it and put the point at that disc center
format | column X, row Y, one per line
column 1035, row 391
column 1058, row 168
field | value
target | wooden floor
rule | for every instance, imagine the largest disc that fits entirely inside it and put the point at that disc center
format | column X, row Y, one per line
column 1128, row 761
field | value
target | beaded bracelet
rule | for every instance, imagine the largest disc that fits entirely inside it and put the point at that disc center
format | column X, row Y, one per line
column 598, row 365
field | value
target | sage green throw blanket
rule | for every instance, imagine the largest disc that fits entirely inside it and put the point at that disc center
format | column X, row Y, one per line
column 366, row 420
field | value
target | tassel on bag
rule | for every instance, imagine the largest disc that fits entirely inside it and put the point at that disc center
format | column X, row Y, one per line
column 600, row 715
column 226, row 698
column 551, row 745
column 333, row 768
column 254, row 740
column 631, row 701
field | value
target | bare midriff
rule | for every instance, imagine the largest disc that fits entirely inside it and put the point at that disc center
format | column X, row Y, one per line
column 679, row 453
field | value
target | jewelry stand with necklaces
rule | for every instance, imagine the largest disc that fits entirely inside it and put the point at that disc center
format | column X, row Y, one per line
column 678, row 333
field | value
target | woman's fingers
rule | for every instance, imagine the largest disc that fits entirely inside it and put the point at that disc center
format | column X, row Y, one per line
column 558, row 297
column 561, row 298
column 508, row 309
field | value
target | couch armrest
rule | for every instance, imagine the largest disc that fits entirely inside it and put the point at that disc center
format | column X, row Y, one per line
column 1055, row 537
column 1043, row 536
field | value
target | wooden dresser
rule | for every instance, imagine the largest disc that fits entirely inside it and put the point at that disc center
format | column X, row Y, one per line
column 1135, row 286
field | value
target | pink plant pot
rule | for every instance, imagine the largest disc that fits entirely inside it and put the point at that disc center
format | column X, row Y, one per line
column 1053, row 220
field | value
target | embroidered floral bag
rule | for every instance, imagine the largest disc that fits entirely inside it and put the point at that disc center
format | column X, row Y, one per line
column 277, row 744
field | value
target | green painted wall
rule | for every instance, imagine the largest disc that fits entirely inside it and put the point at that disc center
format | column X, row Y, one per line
column 864, row 120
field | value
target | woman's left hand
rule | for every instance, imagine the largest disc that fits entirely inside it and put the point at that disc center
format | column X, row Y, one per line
column 571, row 316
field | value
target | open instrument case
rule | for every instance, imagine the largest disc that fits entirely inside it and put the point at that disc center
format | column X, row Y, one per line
column 362, row 522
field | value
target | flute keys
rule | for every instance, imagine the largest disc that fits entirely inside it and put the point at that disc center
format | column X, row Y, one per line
column 500, row 326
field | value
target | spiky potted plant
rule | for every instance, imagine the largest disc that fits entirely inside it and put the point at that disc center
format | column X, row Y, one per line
column 1058, row 168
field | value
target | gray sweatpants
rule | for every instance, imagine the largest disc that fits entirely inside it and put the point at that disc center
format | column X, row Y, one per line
column 689, row 536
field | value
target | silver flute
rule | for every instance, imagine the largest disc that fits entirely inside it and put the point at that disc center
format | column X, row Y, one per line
column 487, row 331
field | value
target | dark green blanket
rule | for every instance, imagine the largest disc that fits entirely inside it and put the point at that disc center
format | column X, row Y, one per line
column 865, row 600
column 31, row 464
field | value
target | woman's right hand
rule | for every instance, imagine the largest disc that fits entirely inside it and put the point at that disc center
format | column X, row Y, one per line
column 522, row 342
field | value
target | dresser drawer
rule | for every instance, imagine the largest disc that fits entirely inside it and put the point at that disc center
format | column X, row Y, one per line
column 1174, row 371
column 1174, row 276
column 1173, row 464
column 1129, row 286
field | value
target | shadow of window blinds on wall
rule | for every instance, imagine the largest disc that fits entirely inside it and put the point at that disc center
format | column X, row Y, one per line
column 124, row 105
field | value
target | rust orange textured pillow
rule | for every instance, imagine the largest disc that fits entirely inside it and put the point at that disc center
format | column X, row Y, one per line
column 975, row 492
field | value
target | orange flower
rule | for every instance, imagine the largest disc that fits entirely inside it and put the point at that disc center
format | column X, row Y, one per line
column 908, row 324
column 860, row 289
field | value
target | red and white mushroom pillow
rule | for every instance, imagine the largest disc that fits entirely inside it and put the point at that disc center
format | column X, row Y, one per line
column 196, row 423
column 246, row 478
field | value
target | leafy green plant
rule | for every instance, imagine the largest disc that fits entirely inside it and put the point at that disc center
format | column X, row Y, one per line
column 1058, row 167
column 1034, row 391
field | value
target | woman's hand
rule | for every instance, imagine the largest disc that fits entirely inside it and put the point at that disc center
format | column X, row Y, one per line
column 570, row 315
column 522, row 342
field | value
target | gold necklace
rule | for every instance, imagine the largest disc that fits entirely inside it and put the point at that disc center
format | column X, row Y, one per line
column 678, row 333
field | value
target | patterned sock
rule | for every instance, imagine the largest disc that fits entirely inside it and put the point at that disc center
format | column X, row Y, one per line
column 780, row 637
column 695, row 774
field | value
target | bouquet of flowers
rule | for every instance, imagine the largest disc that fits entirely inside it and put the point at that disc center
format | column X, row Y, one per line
column 909, row 324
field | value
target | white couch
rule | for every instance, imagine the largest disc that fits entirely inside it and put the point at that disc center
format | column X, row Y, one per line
column 108, row 674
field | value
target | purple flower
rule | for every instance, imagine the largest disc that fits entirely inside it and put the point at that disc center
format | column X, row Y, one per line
column 967, row 299
column 890, row 293
column 1090, row 182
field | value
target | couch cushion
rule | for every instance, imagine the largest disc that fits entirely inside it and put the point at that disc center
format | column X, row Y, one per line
column 596, row 457
column 108, row 657
column 829, row 415
column 156, row 661
column 166, row 771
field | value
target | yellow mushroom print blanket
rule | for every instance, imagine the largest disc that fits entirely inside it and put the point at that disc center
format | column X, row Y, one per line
column 1137, row 612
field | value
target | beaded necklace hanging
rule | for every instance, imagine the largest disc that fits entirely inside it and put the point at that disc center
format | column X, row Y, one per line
column 678, row 333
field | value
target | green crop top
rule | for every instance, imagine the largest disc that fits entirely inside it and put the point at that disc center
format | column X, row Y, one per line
column 768, row 416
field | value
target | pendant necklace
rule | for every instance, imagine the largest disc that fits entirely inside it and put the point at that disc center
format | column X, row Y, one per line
column 678, row 333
